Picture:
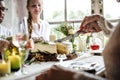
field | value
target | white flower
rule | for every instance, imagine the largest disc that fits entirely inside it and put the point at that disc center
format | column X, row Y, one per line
column 71, row 31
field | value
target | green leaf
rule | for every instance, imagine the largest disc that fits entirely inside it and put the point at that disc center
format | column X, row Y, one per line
column 88, row 39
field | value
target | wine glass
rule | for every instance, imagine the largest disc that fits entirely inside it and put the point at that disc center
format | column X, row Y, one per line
column 61, row 57
column 20, row 39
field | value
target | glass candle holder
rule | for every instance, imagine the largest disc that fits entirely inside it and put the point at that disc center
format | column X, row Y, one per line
column 15, row 61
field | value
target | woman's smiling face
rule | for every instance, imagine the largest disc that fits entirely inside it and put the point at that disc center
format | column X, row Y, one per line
column 35, row 7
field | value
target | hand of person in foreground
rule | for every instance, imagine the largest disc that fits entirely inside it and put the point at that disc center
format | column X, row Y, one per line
column 57, row 72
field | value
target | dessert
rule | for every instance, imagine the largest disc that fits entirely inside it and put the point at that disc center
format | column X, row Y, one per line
column 45, row 47
column 62, row 48
column 49, row 51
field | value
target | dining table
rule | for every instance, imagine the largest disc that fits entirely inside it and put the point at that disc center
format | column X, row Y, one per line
column 37, row 68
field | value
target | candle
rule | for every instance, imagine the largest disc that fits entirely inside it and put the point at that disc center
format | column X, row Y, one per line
column 5, row 67
column 15, row 61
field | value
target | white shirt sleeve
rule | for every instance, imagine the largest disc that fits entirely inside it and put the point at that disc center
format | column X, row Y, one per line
column 4, row 32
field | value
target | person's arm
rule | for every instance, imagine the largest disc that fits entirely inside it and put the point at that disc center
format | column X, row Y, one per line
column 3, row 44
column 58, row 72
column 96, row 23
column 105, row 25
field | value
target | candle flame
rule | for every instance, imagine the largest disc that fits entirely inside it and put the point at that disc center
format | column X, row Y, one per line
column 13, row 53
column 3, row 62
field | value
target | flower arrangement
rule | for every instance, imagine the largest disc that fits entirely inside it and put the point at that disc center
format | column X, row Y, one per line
column 67, row 30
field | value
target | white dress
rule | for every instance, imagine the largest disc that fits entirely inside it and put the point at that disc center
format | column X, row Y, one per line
column 43, row 31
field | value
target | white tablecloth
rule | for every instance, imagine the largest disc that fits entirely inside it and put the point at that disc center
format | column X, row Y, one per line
column 36, row 68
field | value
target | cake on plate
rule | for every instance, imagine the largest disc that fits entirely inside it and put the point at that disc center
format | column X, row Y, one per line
column 49, row 51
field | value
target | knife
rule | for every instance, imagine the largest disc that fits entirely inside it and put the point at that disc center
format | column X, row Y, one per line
column 70, row 36
column 80, row 31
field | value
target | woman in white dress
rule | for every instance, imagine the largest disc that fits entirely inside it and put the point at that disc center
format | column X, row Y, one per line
column 36, row 27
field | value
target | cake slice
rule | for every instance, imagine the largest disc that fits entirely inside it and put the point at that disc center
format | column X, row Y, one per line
column 50, row 48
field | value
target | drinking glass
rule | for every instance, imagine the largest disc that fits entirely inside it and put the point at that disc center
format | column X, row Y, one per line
column 20, row 39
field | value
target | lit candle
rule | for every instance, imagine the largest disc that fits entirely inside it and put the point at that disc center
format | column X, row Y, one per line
column 5, row 67
column 15, row 61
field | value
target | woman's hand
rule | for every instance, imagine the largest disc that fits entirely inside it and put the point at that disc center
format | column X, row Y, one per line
column 30, row 44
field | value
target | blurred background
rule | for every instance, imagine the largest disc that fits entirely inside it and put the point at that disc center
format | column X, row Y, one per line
column 60, row 11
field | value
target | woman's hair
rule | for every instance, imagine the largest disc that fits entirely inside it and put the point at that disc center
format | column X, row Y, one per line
column 29, row 20
column 30, row 27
